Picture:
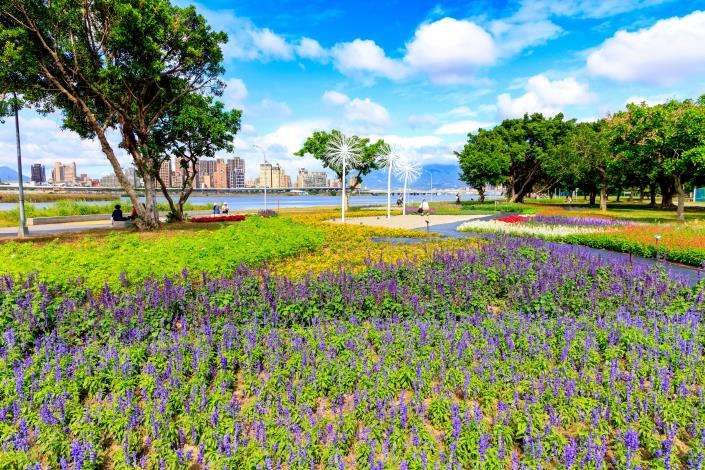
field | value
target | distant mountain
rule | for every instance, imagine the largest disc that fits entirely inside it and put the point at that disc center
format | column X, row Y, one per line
column 7, row 174
column 443, row 176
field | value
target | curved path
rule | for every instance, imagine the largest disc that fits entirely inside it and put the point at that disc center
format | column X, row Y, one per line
column 689, row 275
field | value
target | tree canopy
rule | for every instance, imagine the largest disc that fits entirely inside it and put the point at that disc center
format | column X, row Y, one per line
column 113, row 64
column 661, row 146
column 316, row 146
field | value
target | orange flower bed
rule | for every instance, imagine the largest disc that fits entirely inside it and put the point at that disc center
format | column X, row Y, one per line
column 683, row 243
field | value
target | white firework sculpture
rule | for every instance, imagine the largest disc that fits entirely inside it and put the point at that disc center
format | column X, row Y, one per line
column 388, row 158
column 409, row 171
column 343, row 151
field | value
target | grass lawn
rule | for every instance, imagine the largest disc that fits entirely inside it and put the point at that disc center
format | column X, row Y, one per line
column 72, row 207
column 214, row 249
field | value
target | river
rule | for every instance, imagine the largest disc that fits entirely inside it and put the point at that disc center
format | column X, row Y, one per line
column 275, row 201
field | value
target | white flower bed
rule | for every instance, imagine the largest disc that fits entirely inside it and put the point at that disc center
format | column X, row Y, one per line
column 527, row 230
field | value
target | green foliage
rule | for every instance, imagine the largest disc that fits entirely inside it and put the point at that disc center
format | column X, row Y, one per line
column 517, row 153
column 316, row 146
column 216, row 251
column 484, row 160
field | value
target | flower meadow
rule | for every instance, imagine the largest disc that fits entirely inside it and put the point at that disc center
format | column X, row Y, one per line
column 511, row 355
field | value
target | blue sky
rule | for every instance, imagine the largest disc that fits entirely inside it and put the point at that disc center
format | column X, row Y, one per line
column 421, row 74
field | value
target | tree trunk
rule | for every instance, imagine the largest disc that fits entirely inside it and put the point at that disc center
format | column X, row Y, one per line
column 681, row 197
column 481, row 193
column 642, row 189
column 619, row 193
column 603, row 194
column 652, row 194
column 149, row 220
column 593, row 196
column 667, row 191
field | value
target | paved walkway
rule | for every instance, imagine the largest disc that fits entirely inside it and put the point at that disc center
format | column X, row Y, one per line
column 410, row 221
column 54, row 229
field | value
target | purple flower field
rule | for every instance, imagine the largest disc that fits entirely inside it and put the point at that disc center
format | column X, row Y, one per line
column 514, row 356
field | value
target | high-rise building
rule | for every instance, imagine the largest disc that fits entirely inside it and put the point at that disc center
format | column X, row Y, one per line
column 265, row 175
column 165, row 173
column 311, row 179
column 220, row 176
column 133, row 177
column 64, row 174
column 38, row 173
column 205, row 172
column 109, row 181
column 236, row 172
column 278, row 177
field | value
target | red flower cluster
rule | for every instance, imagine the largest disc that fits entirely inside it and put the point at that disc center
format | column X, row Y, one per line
column 219, row 218
column 513, row 219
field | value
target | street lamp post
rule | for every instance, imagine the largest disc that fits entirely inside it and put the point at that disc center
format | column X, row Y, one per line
column 264, row 183
column 22, row 232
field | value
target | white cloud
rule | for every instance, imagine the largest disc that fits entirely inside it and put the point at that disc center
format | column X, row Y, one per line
column 280, row 146
column 514, row 36
column 311, row 49
column 668, row 52
column 425, row 149
column 358, row 110
column 421, row 120
column 582, row 8
column 235, row 93
column 335, row 98
column 450, row 51
column 367, row 111
column 45, row 142
column 361, row 57
column 268, row 108
column 544, row 96
column 271, row 45
column 462, row 127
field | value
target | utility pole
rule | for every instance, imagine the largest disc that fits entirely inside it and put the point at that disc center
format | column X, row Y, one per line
column 22, row 232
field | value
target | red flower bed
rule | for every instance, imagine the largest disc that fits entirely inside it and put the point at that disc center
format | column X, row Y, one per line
column 513, row 219
column 219, row 218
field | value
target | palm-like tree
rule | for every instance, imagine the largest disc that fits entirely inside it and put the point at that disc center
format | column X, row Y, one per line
column 388, row 158
column 343, row 151
column 409, row 171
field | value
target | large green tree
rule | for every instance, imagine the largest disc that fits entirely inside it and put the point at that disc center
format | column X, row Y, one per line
column 527, row 145
column 484, row 160
column 196, row 127
column 585, row 160
column 316, row 146
column 112, row 65
column 672, row 135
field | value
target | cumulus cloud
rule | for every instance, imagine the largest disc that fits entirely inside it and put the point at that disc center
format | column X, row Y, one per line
column 358, row 110
column 544, row 96
column 361, row 57
column 421, row 120
column 308, row 48
column 45, row 142
column 462, row 127
column 666, row 53
column 335, row 98
column 269, row 108
column 235, row 93
column 450, row 50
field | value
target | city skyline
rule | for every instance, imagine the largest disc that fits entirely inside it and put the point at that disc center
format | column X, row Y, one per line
column 221, row 173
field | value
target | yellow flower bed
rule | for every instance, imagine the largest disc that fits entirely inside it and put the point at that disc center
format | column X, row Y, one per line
column 350, row 245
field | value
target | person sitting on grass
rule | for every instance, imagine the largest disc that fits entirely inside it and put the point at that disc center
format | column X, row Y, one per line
column 133, row 215
column 216, row 209
column 224, row 208
column 117, row 214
